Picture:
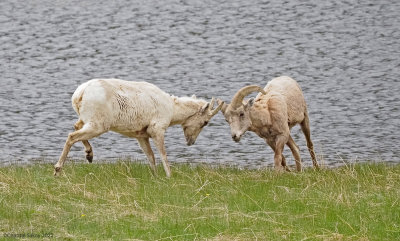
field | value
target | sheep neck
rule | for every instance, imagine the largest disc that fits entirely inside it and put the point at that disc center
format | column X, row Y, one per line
column 184, row 109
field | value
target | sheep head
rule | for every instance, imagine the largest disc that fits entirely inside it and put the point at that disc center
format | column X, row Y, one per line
column 193, row 125
column 237, row 113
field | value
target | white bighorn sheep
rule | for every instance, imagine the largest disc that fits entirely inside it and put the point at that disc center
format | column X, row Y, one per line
column 134, row 109
column 271, row 115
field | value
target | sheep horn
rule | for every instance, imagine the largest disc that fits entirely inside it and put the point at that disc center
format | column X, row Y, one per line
column 215, row 111
column 243, row 92
column 211, row 103
column 222, row 104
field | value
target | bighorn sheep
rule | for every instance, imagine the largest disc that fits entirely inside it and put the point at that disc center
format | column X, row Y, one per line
column 271, row 115
column 134, row 109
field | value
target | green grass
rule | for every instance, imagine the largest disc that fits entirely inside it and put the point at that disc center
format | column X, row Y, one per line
column 123, row 201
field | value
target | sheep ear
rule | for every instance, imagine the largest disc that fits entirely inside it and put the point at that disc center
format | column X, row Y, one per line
column 204, row 108
column 250, row 102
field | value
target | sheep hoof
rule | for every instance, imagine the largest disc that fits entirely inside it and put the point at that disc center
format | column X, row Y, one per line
column 280, row 169
column 57, row 171
column 89, row 158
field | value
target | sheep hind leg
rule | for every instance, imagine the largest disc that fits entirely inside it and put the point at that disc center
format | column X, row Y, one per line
column 305, row 127
column 88, row 131
column 145, row 145
column 88, row 148
column 296, row 153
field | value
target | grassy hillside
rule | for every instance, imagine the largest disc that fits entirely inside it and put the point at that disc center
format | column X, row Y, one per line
column 123, row 201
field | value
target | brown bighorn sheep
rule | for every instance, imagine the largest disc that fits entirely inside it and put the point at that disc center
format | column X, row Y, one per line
column 134, row 109
column 271, row 115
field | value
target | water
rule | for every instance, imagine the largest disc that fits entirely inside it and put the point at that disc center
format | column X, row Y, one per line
column 344, row 54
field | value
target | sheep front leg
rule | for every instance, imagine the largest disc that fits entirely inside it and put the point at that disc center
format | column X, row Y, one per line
column 280, row 142
column 271, row 143
column 157, row 133
column 296, row 153
column 145, row 145
column 159, row 142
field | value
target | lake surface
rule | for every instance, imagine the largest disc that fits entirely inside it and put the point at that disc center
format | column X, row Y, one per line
column 344, row 54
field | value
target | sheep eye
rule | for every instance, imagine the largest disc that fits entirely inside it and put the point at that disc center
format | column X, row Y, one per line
column 241, row 114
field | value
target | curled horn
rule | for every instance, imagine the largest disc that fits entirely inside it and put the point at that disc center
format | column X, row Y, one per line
column 243, row 92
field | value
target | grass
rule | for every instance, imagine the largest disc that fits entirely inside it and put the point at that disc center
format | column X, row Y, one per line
column 123, row 201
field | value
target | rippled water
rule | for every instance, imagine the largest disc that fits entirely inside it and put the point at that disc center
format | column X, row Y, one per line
column 344, row 54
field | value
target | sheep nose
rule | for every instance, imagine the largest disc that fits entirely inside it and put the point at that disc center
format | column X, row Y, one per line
column 235, row 138
column 190, row 142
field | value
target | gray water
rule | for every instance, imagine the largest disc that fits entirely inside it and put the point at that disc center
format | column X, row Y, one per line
column 344, row 54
